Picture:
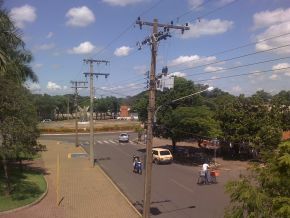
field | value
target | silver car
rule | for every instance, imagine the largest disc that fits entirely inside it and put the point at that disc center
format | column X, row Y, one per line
column 123, row 137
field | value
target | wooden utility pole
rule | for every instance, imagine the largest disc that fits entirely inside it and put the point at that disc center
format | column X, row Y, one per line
column 155, row 37
column 76, row 85
column 92, row 74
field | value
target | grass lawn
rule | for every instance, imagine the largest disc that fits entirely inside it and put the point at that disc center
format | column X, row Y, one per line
column 27, row 187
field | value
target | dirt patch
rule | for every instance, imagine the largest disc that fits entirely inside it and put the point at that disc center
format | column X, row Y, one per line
column 99, row 125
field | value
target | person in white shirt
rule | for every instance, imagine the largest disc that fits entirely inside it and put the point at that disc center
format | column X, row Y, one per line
column 205, row 167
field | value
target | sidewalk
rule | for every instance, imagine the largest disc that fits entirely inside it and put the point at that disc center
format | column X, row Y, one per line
column 86, row 191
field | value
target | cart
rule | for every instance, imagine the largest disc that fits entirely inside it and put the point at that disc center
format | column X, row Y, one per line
column 212, row 178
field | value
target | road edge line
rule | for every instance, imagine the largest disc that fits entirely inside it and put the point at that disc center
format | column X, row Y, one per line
column 115, row 186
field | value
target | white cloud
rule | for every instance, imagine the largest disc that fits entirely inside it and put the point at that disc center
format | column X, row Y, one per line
column 34, row 87
column 121, row 2
column 178, row 74
column 83, row 48
column 44, row 47
column 80, row 17
column 49, row 35
column 192, row 60
column 122, row 51
column 237, row 89
column 275, row 30
column 23, row 15
column 207, row 27
column 53, row 86
column 268, row 18
column 273, row 77
column 281, row 66
column 213, row 69
column 278, row 68
column 119, row 87
column 225, row 2
column 195, row 4
column 256, row 75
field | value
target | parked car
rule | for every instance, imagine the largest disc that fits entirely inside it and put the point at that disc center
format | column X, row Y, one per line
column 46, row 120
column 161, row 155
column 123, row 137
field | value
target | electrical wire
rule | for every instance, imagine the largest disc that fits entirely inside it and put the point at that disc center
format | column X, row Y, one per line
column 234, row 58
column 242, row 74
column 240, row 66
column 239, row 47
column 190, row 11
column 213, row 11
column 131, row 25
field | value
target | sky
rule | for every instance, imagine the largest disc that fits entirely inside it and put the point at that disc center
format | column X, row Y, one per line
column 238, row 46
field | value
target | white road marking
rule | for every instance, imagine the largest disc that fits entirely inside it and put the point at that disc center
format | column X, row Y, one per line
column 112, row 141
column 99, row 142
column 106, row 142
column 182, row 186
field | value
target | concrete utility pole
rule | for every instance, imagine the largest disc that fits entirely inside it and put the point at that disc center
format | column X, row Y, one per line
column 152, row 40
column 68, row 107
column 92, row 74
column 77, row 85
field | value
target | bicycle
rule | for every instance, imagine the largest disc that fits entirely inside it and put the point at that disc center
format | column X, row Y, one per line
column 212, row 178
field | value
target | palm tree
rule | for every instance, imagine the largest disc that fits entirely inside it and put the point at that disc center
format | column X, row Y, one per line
column 14, row 58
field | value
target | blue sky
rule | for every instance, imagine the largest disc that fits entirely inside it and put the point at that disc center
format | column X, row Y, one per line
column 60, row 34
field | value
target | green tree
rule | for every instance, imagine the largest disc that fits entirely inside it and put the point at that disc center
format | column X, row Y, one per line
column 18, row 131
column 251, row 121
column 188, row 122
column 14, row 58
column 18, row 125
column 266, row 192
column 281, row 107
column 140, row 106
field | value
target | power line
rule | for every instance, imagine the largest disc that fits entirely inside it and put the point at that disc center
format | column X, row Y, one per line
column 242, row 74
column 126, row 29
column 240, row 66
column 238, row 47
column 234, row 58
column 188, row 12
column 217, row 53
column 246, row 55
column 213, row 11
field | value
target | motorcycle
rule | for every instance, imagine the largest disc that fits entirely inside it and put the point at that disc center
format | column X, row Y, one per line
column 137, row 166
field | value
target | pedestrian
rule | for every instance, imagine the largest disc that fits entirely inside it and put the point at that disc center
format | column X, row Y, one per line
column 205, row 168
column 145, row 138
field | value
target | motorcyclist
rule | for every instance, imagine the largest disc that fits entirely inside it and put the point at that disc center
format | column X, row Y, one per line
column 137, row 164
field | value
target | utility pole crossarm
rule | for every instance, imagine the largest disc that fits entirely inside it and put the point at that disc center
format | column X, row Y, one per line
column 170, row 26
column 77, row 85
column 91, row 75
column 95, row 61
column 152, row 40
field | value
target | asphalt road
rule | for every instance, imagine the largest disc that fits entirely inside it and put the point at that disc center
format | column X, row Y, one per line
column 175, row 192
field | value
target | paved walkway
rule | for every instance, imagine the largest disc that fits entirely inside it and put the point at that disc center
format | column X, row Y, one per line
column 86, row 191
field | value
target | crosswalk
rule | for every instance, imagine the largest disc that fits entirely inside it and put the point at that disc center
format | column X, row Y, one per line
column 107, row 141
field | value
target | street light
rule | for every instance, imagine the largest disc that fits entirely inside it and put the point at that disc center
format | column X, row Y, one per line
column 210, row 88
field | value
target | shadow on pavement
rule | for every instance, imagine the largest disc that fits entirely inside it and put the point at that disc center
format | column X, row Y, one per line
column 155, row 210
column 187, row 155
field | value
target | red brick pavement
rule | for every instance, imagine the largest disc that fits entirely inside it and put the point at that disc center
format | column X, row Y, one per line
column 86, row 191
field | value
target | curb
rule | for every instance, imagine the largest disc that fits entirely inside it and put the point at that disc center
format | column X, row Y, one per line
column 28, row 205
column 115, row 186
